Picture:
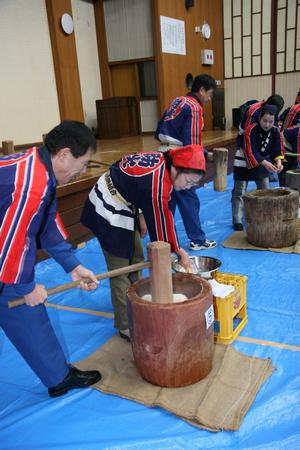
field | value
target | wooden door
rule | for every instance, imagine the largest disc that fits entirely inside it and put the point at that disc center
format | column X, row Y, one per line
column 125, row 80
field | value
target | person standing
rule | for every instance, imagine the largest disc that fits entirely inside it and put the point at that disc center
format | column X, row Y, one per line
column 251, row 113
column 28, row 220
column 131, row 198
column 261, row 153
column 291, row 140
column 291, row 116
column 182, row 124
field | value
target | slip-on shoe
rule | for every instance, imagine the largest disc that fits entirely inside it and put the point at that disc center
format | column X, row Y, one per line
column 124, row 334
column 74, row 380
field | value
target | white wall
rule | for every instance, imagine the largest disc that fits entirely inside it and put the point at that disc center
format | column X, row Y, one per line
column 149, row 115
column 87, row 55
column 287, row 85
column 240, row 90
column 29, row 105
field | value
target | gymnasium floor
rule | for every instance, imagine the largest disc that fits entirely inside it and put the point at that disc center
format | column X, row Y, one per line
column 88, row 419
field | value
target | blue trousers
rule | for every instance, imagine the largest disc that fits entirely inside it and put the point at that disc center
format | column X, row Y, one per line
column 30, row 331
column 189, row 206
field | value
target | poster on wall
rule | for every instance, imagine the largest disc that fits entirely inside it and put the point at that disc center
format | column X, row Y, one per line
column 172, row 35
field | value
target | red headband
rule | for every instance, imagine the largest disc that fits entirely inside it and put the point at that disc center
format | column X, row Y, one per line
column 188, row 157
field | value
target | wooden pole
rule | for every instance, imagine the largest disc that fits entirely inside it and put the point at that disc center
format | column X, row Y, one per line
column 8, row 147
column 160, row 272
column 291, row 154
column 220, row 158
column 101, row 276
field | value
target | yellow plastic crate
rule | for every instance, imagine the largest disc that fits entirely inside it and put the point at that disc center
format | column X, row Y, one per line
column 231, row 311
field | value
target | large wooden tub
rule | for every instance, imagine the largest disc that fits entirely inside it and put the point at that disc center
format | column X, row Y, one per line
column 272, row 217
column 172, row 343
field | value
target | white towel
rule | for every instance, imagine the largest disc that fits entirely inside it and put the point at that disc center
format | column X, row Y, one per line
column 220, row 290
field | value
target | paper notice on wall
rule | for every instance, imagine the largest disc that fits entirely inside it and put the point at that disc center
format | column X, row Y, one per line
column 172, row 35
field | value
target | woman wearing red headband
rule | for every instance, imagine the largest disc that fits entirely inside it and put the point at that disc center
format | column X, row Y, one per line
column 130, row 198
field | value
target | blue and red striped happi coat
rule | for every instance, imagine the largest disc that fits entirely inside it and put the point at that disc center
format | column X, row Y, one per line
column 291, row 116
column 144, row 183
column 28, row 214
column 182, row 120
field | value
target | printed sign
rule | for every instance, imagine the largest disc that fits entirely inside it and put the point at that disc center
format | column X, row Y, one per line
column 172, row 35
column 209, row 316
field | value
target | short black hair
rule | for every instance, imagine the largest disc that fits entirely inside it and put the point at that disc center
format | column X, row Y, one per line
column 205, row 81
column 73, row 135
column 275, row 100
column 268, row 109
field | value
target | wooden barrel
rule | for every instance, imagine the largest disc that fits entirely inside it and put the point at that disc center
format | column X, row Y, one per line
column 292, row 179
column 172, row 343
column 272, row 217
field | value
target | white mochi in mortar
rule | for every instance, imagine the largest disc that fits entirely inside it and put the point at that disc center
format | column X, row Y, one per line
column 176, row 298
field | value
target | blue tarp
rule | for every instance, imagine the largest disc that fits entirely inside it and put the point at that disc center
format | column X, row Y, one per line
column 88, row 419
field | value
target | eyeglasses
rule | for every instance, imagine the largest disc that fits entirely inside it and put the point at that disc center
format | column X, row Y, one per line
column 190, row 182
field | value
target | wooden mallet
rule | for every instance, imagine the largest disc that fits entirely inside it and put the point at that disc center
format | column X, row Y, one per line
column 101, row 276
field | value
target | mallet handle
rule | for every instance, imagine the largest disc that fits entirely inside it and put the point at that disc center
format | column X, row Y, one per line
column 291, row 154
column 101, row 276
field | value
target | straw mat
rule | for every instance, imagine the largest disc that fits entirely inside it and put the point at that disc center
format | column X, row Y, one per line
column 219, row 402
column 239, row 241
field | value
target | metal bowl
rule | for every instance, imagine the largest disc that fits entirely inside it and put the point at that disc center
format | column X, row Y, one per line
column 204, row 266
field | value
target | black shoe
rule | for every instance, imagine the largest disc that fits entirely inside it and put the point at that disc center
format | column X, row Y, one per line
column 238, row 226
column 125, row 335
column 74, row 380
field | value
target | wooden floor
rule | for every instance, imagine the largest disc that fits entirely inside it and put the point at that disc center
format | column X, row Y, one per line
column 71, row 197
column 110, row 150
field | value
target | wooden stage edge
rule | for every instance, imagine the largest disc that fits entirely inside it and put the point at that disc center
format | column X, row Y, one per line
column 71, row 197
column 110, row 150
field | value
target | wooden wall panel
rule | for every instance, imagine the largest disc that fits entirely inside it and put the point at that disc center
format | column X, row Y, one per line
column 124, row 80
column 172, row 69
column 65, row 62
column 106, row 83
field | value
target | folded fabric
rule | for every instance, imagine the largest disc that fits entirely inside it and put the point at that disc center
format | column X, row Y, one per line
column 220, row 290
column 218, row 402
